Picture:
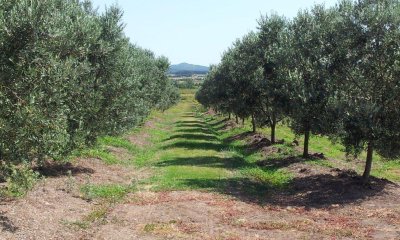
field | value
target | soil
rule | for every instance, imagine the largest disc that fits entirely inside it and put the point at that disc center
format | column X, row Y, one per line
column 140, row 140
column 202, row 215
column 120, row 153
column 47, row 211
column 323, row 203
column 53, row 208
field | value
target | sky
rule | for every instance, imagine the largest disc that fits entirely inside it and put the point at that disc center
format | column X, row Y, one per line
column 197, row 31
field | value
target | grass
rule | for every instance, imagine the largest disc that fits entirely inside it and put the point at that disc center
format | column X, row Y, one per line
column 387, row 169
column 100, row 153
column 189, row 152
column 112, row 192
column 118, row 142
column 382, row 168
column 98, row 213
column 107, row 195
column 100, row 149
column 76, row 224
column 275, row 178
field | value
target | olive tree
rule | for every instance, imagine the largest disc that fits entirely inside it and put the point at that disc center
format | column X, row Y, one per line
column 68, row 75
column 273, row 42
column 247, row 76
column 368, row 72
column 311, row 88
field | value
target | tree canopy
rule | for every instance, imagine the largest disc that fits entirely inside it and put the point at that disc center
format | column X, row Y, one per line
column 69, row 74
column 330, row 71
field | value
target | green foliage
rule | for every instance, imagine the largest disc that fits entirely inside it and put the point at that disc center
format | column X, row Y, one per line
column 69, row 75
column 366, row 70
column 20, row 179
column 186, row 83
column 312, row 89
column 275, row 93
column 235, row 83
column 169, row 97
column 330, row 71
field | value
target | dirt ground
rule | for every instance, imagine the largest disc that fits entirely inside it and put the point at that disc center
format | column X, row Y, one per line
column 324, row 203
column 50, row 210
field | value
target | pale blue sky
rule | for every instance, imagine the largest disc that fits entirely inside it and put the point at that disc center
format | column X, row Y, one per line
column 197, row 31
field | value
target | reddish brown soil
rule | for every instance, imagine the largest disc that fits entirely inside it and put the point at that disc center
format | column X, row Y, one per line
column 201, row 215
column 50, row 210
column 321, row 206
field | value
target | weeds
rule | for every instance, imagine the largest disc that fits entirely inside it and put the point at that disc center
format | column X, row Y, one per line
column 112, row 192
column 117, row 142
column 99, row 213
column 20, row 179
column 272, row 178
column 70, row 182
column 76, row 224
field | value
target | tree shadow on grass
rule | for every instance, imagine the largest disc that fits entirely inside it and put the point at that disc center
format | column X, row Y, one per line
column 193, row 137
column 194, row 130
column 282, row 162
column 238, row 137
column 61, row 169
column 189, row 122
column 207, row 161
column 191, row 125
column 188, row 114
column 209, row 120
column 254, row 142
column 196, row 146
column 215, row 124
column 243, row 189
column 219, row 125
column 220, row 128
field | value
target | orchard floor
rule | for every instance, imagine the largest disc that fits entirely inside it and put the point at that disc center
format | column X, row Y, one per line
column 190, row 175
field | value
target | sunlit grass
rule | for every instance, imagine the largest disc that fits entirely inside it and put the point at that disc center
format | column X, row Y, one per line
column 117, row 142
column 114, row 192
column 382, row 168
column 188, row 152
column 273, row 178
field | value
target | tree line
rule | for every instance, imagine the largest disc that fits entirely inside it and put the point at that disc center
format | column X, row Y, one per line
column 332, row 71
column 69, row 74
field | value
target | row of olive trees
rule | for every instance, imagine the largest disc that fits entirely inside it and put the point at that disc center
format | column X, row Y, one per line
column 68, row 75
column 331, row 71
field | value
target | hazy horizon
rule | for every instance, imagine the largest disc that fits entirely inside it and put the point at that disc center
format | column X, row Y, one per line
column 197, row 32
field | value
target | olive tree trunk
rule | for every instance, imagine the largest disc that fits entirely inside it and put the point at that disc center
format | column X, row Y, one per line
column 368, row 164
column 253, row 122
column 273, row 128
column 306, row 143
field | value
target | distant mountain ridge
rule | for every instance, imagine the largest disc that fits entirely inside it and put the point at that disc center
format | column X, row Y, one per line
column 186, row 69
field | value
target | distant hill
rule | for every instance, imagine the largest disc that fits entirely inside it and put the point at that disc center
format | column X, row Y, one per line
column 186, row 69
